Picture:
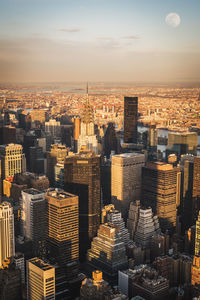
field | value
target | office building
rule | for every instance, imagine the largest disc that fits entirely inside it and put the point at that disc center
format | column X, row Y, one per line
column 7, row 238
column 7, row 135
column 19, row 263
column 145, row 282
column 10, row 283
column 195, row 271
column 159, row 187
column 182, row 143
column 53, row 127
column 130, row 119
column 111, row 142
column 40, row 280
column 87, row 137
column 133, row 216
column 36, row 160
column 197, row 236
column 59, row 175
column 110, row 215
column 196, row 188
column 56, row 155
column 33, row 209
column 82, row 178
column 147, row 226
column 12, row 160
column 107, row 252
column 126, row 177
column 63, row 229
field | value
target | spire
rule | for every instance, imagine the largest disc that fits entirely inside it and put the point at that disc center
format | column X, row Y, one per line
column 87, row 100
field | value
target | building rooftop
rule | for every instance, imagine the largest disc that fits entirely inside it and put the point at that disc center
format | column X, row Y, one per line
column 59, row 194
column 33, row 192
column 40, row 264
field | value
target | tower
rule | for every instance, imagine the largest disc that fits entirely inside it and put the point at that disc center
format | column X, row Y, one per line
column 33, row 221
column 126, row 176
column 130, row 119
column 40, row 280
column 87, row 136
column 12, row 160
column 7, row 237
column 82, row 178
column 107, row 252
column 196, row 187
column 63, row 229
column 159, row 190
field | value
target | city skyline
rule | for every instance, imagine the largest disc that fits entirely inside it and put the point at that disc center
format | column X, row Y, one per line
column 99, row 41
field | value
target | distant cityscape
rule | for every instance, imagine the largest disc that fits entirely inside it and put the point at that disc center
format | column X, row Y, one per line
column 99, row 191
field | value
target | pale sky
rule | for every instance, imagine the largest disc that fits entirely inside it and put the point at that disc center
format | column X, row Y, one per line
column 99, row 40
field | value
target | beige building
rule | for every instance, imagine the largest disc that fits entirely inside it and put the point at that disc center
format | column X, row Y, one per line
column 63, row 227
column 126, row 176
column 40, row 280
column 12, row 160
column 7, row 236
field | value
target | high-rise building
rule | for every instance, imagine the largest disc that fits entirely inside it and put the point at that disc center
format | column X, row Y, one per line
column 133, row 216
column 7, row 135
column 195, row 271
column 40, row 280
column 197, row 236
column 87, row 135
column 110, row 215
column 159, row 191
column 7, row 237
column 36, row 160
column 182, row 143
column 107, row 252
column 53, row 127
column 10, row 283
column 12, row 160
column 82, row 178
column 110, row 141
column 130, row 119
column 126, row 177
column 196, row 188
column 143, row 281
column 19, row 263
column 56, row 155
column 33, row 210
column 147, row 226
column 63, row 228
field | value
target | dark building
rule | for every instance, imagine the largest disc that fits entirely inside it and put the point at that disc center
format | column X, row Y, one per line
column 182, row 143
column 67, row 135
column 7, row 135
column 10, row 283
column 130, row 119
column 159, row 191
column 110, row 141
column 82, row 178
column 186, row 195
column 36, row 160
column 106, row 181
column 196, row 188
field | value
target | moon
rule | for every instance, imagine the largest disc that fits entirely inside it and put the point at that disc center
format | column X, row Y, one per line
column 173, row 20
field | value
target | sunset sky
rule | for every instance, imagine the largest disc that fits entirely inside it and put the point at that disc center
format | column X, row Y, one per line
column 99, row 40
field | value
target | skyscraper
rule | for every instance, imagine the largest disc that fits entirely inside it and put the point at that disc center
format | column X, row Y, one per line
column 12, row 160
column 33, row 209
column 63, row 228
column 107, row 251
column 87, row 136
column 197, row 236
column 126, row 177
column 159, row 190
column 56, row 154
column 82, row 178
column 40, row 280
column 196, row 187
column 7, row 236
column 182, row 143
column 130, row 119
